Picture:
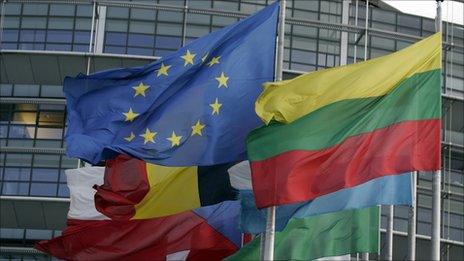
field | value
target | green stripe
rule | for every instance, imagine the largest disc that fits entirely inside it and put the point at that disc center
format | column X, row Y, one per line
column 332, row 234
column 416, row 98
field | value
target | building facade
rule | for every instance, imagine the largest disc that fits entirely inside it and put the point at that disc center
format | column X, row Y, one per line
column 43, row 41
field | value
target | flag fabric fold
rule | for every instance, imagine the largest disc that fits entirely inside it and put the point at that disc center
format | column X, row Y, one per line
column 388, row 190
column 341, row 127
column 204, row 233
column 182, row 109
column 134, row 189
column 333, row 234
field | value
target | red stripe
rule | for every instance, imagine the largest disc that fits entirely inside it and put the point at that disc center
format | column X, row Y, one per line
column 126, row 184
column 302, row 175
column 147, row 239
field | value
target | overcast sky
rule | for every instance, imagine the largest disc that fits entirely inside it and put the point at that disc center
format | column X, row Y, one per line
column 452, row 10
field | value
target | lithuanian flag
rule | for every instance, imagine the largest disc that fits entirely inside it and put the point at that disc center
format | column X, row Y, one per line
column 341, row 127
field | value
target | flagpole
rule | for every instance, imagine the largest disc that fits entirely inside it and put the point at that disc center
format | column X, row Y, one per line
column 436, row 182
column 412, row 219
column 389, row 235
column 267, row 250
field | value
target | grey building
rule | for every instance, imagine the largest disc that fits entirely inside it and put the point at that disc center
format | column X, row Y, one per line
column 43, row 41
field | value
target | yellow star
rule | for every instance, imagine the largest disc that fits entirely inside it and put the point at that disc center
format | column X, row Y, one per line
column 188, row 58
column 203, row 59
column 163, row 70
column 196, row 129
column 222, row 80
column 130, row 115
column 175, row 140
column 140, row 89
column 148, row 136
column 214, row 60
column 216, row 106
column 130, row 138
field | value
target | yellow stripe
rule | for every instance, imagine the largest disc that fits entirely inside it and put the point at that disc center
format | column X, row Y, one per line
column 289, row 100
column 172, row 190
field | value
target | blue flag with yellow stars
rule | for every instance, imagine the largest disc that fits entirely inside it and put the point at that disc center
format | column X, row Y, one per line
column 192, row 107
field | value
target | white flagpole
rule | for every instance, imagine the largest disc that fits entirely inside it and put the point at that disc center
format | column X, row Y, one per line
column 267, row 250
column 389, row 235
column 412, row 219
column 436, row 182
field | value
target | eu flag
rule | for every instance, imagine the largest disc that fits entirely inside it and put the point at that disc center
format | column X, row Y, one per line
column 193, row 107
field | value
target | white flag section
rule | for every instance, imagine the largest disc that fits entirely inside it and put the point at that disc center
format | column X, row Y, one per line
column 178, row 256
column 240, row 176
column 335, row 258
column 80, row 183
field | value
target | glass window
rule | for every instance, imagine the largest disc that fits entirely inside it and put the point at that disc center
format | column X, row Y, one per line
column 44, row 174
column 197, row 31
column 43, row 189
column 68, row 163
column 83, row 24
column 60, row 23
column 38, row 234
column 223, row 21
column 306, row 5
column 116, row 38
column 143, row 14
column 49, row 133
column 32, row 36
column 168, row 16
column 168, row 42
column 383, row 16
column 59, row 47
column 11, row 22
column 16, row 174
column 116, row 25
column 303, row 57
column 34, row 22
column 140, row 51
column 58, row 36
column 12, row 233
column 6, row 89
column 23, row 90
column 117, row 12
column 46, row 160
column 21, row 131
column 198, row 19
column 12, row 9
column 35, row 9
column 169, row 29
column 304, row 43
column 52, row 90
column 141, row 40
column 62, row 10
column 115, row 49
column 9, row 35
column 142, row 27
column 15, row 188
column 63, row 190
column 84, row 10
column 19, row 160
column 408, row 20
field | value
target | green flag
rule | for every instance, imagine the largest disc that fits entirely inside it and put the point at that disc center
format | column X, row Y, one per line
column 332, row 234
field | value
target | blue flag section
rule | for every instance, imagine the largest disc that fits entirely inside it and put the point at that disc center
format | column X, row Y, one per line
column 388, row 190
column 193, row 107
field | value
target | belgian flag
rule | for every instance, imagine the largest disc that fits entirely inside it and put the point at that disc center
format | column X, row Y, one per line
column 134, row 189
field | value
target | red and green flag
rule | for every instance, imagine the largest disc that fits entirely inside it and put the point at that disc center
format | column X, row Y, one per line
column 341, row 127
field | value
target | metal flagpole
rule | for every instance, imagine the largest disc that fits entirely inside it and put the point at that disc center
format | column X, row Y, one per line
column 364, row 256
column 389, row 250
column 436, row 183
column 267, row 250
column 367, row 28
column 412, row 219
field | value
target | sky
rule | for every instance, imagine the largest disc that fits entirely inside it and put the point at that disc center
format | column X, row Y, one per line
column 452, row 11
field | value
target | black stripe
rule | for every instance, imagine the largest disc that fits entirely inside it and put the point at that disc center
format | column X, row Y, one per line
column 214, row 184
